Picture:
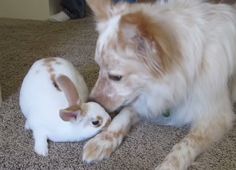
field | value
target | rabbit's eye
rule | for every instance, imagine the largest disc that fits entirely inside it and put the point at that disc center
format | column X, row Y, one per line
column 96, row 123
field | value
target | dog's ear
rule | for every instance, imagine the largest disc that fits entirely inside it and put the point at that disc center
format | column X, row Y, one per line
column 155, row 44
column 100, row 8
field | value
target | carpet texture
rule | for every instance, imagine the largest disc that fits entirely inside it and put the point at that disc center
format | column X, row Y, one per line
column 21, row 43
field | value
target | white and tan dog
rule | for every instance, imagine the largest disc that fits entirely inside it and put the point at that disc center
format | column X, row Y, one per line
column 179, row 56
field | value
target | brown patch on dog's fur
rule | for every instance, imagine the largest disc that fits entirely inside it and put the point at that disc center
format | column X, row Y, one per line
column 109, row 151
column 101, row 87
column 198, row 139
column 107, row 137
column 175, row 161
column 91, row 150
column 110, row 136
column 164, row 45
column 119, row 134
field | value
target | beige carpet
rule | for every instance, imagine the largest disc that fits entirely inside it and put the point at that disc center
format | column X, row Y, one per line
column 22, row 42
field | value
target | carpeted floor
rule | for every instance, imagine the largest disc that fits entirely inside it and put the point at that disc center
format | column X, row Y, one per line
column 21, row 43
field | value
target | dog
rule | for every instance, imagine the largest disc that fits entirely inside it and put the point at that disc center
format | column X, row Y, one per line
column 176, row 57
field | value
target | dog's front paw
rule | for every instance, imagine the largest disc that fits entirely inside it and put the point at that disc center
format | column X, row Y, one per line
column 170, row 163
column 100, row 147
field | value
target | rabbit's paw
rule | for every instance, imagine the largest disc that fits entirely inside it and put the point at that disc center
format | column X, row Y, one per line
column 43, row 151
column 41, row 144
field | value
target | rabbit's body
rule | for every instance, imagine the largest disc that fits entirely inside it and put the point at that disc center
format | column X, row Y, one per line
column 39, row 80
column 42, row 98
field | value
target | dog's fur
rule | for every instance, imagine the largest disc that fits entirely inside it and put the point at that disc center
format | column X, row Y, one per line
column 179, row 56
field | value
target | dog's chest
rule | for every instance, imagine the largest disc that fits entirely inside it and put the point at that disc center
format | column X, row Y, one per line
column 148, row 107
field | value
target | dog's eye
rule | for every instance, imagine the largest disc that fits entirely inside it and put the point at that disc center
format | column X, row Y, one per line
column 115, row 77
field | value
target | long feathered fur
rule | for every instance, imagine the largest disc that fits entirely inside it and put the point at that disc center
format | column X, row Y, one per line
column 178, row 56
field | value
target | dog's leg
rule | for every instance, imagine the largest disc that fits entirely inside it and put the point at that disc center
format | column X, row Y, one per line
column 185, row 152
column 102, row 145
column 210, row 126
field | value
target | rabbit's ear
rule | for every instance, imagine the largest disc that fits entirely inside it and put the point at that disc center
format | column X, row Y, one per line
column 70, row 113
column 69, row 89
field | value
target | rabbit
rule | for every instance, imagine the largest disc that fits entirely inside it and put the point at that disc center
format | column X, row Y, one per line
column 52, row 99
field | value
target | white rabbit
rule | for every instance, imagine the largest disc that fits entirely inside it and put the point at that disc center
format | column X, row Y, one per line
column 52, row 98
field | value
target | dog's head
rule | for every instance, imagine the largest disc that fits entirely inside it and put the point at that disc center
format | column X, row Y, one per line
column 133, row 51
